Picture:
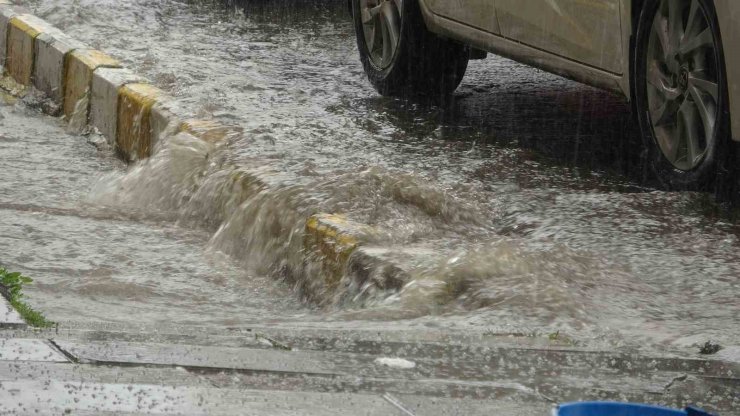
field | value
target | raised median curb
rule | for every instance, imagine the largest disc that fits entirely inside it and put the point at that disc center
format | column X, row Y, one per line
column 135, row 103
column 79, row 66
column 22, row 32
column 90, row 88
column 104, row 97
column 349, row 270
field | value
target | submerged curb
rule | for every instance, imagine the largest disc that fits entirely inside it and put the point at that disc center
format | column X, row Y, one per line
column 90, row 88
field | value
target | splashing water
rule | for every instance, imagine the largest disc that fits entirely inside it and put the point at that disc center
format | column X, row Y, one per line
column 501, row 208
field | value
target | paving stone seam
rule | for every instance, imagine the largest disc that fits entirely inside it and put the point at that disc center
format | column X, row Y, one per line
column 67, row 354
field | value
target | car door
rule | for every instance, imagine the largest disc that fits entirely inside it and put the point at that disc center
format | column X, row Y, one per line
column 480, row 14
column 587, row 31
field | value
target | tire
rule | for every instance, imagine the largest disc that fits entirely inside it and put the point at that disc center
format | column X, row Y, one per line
column 680, row 92
column 422, row 63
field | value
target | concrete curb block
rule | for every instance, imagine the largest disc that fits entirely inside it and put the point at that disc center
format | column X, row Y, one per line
column 22, row 32
column 135, row 101
column 7, row 12
column 346, row 262
column 51, row 50
column 332, row 238
column 92, row 88
column 106, row 84
column 79, row 66
column 163, row 121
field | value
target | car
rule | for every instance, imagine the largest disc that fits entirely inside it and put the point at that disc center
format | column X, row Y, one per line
column 675, row 60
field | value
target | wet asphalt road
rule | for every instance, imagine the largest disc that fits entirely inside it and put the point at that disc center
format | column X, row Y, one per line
column 529, row 187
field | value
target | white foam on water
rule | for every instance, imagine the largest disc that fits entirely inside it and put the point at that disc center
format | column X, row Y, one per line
column 395, row 363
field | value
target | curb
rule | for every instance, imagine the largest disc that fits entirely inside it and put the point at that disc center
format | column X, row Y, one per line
column 9, row 318
column 348, row 269
column 90, row 88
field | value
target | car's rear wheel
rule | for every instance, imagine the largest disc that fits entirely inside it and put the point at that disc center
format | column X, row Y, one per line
column 400, row 56
column 681, row 91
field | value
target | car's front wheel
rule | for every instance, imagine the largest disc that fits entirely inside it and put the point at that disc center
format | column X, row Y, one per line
column 400, row 56
column 681, row 91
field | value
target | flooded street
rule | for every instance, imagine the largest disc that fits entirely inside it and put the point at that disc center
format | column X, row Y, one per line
column 522, row 206
column 111, row 266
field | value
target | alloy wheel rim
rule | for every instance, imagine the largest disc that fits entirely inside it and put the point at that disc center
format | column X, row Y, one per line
column 683, row 82
column 381, row 22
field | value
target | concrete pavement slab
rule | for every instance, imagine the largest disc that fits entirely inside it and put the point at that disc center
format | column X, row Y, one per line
column 71, row 396
column 262, row 380
column 434, row 398
column 196, row 356
column 29, row 350
column 514, row 382
column 422, row 345
column 509, row 373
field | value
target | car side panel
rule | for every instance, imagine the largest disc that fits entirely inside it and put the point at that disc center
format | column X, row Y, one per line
column 728, row 14
column 480, row 14
column 520, row 52
column 587, row 31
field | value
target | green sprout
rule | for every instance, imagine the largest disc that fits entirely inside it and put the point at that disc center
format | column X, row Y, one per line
column 11, row 286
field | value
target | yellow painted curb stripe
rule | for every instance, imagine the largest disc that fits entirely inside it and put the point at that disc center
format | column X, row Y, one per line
column 144, row 95
column 18, row 23
column 20, row 48
column 135, row 103
column 95, row 59
column 78, row 72
column 324, row 225
column 329, row 245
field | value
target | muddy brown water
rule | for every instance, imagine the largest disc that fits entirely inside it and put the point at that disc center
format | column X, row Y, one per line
column 527, row 187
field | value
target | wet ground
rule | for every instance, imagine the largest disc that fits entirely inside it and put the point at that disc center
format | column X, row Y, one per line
column 528, row 188
column 90, row 263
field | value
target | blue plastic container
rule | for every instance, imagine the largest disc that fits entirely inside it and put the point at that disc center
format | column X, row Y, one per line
column 622, row 409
